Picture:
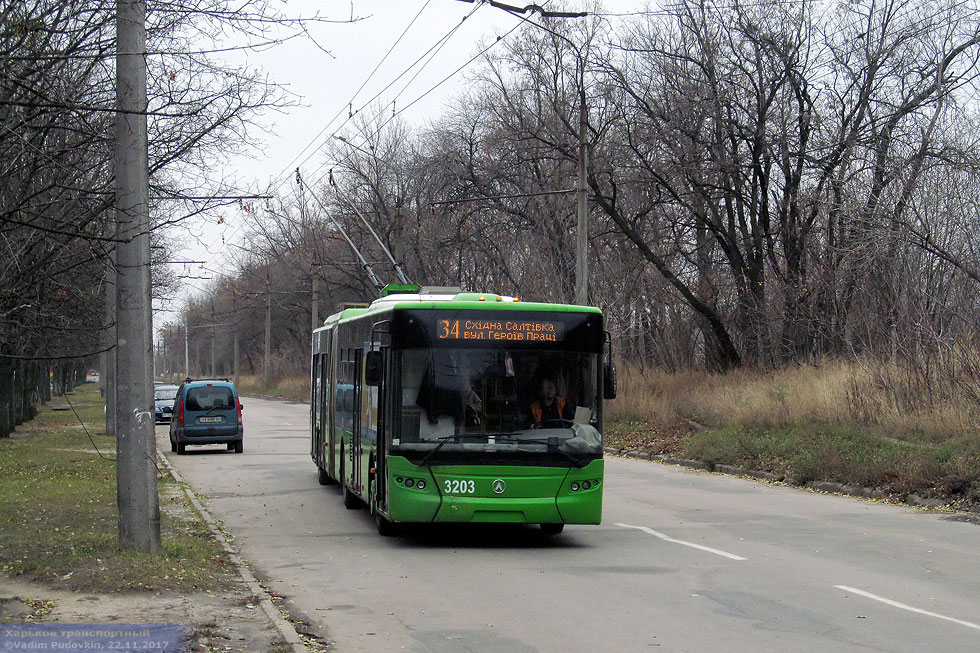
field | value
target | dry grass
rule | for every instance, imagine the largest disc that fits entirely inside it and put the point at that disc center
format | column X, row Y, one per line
column 893, row 400
column 293, row 388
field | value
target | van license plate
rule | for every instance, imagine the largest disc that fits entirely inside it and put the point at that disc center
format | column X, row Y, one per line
column 209, row 420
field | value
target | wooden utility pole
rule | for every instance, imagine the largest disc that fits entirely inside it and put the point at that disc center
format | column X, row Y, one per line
column 136, row 476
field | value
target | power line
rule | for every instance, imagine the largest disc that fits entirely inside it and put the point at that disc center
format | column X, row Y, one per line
column 282, row 176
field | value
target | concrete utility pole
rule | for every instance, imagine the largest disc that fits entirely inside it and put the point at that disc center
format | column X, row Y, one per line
column 582, row 208
column 268, row 329
column 315, row 312
column 187, row 348
column 136, row 477
column 582, row 228
column 234, row 363
column 214, row 372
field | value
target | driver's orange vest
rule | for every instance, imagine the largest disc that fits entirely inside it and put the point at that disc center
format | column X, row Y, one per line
column 536, row 408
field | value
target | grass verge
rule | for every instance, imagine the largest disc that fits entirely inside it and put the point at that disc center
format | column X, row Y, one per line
column 58, row 516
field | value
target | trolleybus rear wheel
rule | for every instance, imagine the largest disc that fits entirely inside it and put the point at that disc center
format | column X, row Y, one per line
column 323, row 478
column 351, row 502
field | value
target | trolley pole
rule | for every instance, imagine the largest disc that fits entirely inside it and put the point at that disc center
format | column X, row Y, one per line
column 136, row 477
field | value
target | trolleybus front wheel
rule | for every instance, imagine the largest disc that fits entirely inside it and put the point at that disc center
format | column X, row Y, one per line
column 552, row 529
column 385, row 527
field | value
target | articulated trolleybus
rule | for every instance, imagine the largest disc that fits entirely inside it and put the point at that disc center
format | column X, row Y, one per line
column 436, row 405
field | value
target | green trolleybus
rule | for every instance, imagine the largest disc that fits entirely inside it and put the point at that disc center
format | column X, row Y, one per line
column 435, row 405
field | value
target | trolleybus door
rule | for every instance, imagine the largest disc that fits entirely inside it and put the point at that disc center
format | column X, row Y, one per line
column 329, row 401
column 316, row 446
column 376, row 375
column 353, row 461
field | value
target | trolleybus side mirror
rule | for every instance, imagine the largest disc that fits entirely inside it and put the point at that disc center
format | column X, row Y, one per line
column 609, row 381
column 373, row 368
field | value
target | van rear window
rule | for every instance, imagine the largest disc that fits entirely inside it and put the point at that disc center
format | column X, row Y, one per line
column 208, row 397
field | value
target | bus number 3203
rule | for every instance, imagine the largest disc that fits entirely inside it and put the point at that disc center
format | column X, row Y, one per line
column 459, row 487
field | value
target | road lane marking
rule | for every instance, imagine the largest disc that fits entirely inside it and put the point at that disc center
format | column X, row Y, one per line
column 896, row 604
column 667, row 538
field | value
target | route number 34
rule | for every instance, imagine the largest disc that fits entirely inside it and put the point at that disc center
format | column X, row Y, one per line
column 459, row 487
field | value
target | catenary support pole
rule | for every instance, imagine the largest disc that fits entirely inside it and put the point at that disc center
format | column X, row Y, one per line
column 582, row 228
column 136, row 478
column 315, row 309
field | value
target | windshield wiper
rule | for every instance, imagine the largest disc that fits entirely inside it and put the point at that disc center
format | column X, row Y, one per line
column 446, row 439
column 556, row 447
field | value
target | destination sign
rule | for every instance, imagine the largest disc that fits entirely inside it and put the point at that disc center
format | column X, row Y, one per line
column 497, row 330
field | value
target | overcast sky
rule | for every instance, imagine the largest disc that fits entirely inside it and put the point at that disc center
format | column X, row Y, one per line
column 327, row 77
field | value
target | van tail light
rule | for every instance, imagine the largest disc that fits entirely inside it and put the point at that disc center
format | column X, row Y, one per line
column 180, row 414
column 239, row 402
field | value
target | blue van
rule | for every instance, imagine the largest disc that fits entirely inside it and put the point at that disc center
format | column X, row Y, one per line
column 207, row 411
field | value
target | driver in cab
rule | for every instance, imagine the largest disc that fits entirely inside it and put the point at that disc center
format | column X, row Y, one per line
column 549, row 405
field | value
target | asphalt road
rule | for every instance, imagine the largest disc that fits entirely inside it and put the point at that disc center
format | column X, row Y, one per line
column 683, row 561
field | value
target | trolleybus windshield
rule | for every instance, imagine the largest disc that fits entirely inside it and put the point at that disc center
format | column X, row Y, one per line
column 500, row 401
column 495, row 385
column 516, row 388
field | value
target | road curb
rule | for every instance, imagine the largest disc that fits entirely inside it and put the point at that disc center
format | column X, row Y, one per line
column 285, row 628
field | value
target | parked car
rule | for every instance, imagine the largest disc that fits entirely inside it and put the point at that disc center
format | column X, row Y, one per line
column 92, row 376
column 164, row 396
column 207, row 411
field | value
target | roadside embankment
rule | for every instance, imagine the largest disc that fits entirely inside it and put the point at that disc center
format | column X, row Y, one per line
column 870, row 427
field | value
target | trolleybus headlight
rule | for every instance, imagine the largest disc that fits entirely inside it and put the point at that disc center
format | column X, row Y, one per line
column 420, row 484
column 575, row 486
column 586, row 485
column 399, row 479
column 409, row 482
